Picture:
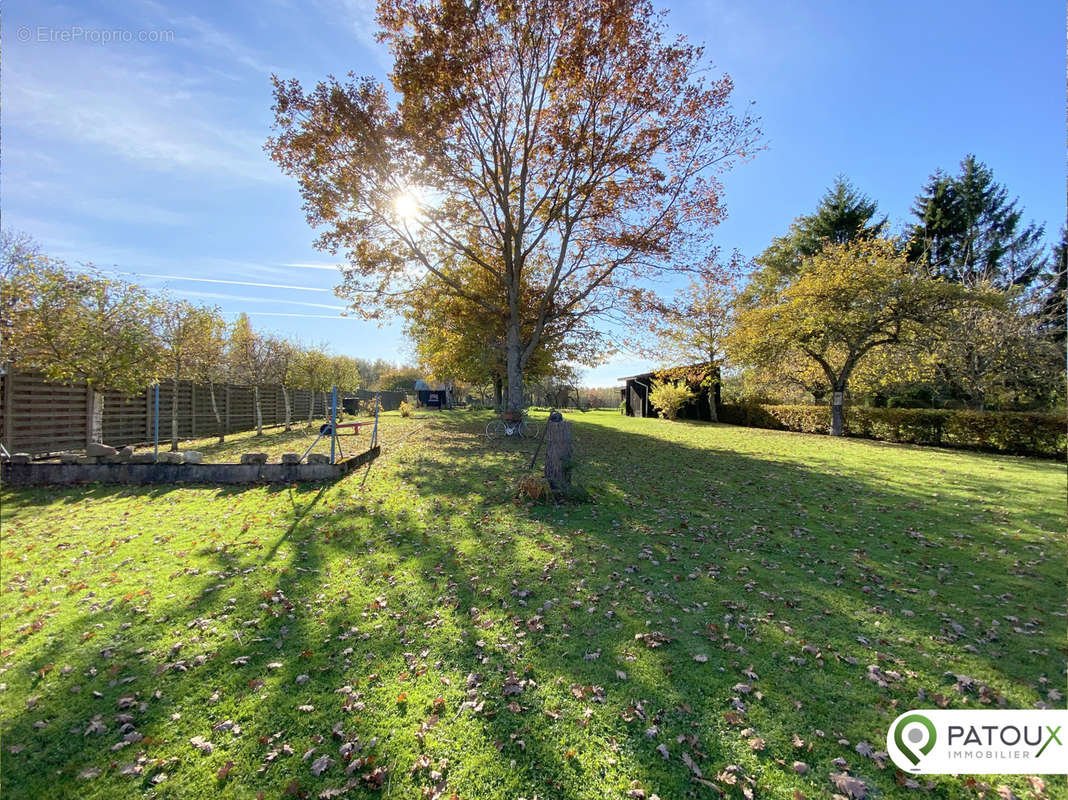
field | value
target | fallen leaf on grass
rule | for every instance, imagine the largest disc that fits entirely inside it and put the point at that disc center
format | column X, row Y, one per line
column 852, row 786
column 690, row 763
column 653, row 638
column 95, row 726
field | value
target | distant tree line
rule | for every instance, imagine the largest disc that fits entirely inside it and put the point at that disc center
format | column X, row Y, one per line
column 78, row 325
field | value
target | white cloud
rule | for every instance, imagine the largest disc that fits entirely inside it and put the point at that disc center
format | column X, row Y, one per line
column 359, row 17
column 198, row 33
column 135, row 109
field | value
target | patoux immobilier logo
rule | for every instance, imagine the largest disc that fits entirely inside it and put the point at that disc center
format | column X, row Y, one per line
column 944, row 742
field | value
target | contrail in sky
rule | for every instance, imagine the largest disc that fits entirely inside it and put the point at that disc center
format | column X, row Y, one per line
column 281, row 314
column 216, row 296
column 314, row 266
column 232, row 283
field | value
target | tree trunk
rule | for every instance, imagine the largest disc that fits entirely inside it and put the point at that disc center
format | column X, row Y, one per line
column 514, row 401
column 837, row 414
column 712, row 415
column 285, row 399
column 558, row 452
column 174, row 415
column 311, row 406
column 215, row 411
column 259, row 414
column 498, row 392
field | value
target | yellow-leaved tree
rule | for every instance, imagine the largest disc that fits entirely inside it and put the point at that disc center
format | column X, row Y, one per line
column 845, row 302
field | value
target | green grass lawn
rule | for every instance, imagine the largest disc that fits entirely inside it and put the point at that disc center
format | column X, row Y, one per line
column 415, row 631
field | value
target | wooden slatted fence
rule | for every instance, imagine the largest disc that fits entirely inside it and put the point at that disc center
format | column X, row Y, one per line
column 39, row 417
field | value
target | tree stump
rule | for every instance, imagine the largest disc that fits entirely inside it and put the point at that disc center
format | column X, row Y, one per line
column 558, row 453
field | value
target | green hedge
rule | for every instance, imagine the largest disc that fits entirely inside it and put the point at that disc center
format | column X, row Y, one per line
column 1020, row 433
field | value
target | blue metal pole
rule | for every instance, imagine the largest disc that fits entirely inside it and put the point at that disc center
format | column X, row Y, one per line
column 155, row 426
column 333, row 423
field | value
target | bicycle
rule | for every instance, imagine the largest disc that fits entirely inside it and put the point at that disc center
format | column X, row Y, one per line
column 521, row 427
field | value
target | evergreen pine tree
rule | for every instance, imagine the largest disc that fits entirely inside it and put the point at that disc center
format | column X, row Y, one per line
column 1055, row 299
column 844, row 214
column 969, row 232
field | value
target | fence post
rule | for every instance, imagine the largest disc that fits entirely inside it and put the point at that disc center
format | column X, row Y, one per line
column 333, row 423
column 90, row 414
column 226, row 402
column 9, row 426
column 148, row 414
column 9, row 412
column 193, row 410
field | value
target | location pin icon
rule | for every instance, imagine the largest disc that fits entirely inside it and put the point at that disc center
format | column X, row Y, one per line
column 915, row 737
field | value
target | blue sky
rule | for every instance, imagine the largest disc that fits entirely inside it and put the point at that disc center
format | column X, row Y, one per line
column 133, row 132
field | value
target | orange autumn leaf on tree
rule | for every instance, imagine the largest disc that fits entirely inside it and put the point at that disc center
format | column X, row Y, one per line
column 543, row 158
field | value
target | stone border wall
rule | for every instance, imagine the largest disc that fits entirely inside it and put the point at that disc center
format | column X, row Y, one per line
column 51, row 474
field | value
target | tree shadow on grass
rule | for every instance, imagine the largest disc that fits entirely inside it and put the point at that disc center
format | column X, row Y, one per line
column 874, row 574
column 348, row 584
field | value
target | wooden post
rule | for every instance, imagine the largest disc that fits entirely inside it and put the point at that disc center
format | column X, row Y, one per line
column 558, row 452
column 148, row 415
column 9, row 411
column 94, row 415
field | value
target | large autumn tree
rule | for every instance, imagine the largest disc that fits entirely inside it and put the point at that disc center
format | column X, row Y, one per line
column 560, row 150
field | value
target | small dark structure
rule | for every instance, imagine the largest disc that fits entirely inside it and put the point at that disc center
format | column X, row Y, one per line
column 437, row 397
column 389, row 401
column 635, row 393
